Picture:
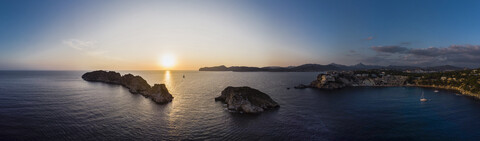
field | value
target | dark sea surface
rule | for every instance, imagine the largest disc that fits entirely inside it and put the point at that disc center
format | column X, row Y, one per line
column 59, row 105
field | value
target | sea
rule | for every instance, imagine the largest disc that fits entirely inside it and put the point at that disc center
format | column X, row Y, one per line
column 59, row 105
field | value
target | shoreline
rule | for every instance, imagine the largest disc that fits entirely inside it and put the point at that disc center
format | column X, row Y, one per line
column 459, row 90
column 456, row 89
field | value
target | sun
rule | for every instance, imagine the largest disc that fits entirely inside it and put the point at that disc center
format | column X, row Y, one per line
column 167, row 61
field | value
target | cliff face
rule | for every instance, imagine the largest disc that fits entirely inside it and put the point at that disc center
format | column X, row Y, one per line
column 246, row 99
column 159, row 93
column 335, row 81
column 135, row 84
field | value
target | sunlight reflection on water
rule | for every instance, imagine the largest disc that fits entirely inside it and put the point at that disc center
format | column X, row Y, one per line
column 60, row 105
column 167, row 78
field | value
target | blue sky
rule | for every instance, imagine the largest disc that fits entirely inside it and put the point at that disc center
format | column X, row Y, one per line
column 134, row 34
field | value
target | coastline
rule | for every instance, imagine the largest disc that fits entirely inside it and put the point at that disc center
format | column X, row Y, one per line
column 456, row 89
column 458, row 81
column 460, row 90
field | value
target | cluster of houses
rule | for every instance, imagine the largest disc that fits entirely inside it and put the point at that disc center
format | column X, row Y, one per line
column 335, row 73
column 419, row 71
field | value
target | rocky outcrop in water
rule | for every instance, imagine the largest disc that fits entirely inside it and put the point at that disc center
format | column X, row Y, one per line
column 341, row 80
column 159, row 93
column 301, row 86
column 246, row 100
column 135, row 84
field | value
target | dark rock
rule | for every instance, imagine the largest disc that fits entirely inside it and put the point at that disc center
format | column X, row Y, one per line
column 135, row 84
column 246, row 99
column 159, row 93
column 301, row 86
column 103, row 76
column 328, row 82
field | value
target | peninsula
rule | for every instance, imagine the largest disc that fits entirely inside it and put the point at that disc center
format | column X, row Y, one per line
column 466, row 82
column 135, row 84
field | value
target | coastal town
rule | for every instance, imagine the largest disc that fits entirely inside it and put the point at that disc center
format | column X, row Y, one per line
column 465, row 81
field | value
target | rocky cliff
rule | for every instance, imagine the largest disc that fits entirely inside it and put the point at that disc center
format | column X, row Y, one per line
column 246, row 100
column 341, row 80
column 135, row 84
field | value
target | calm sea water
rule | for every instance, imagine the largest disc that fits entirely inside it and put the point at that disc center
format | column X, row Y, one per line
column 59, row 105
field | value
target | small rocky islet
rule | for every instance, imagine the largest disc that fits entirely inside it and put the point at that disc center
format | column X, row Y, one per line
column 135, row 84
column 246, row 100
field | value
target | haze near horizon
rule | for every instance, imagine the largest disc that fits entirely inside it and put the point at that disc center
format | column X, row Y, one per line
column 187, row 35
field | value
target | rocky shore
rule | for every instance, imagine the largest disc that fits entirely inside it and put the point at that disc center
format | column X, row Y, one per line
column 460, row 90
column 340, row 80
column 135, row 84
column 246, row 100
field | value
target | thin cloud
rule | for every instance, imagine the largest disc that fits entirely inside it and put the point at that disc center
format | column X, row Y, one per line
column 369, row 38
column 89, row 48
column 461, row 55
column 79, row 44
column 389, row 49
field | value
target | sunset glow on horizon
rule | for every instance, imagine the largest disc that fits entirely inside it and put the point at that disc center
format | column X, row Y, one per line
column 130, row 35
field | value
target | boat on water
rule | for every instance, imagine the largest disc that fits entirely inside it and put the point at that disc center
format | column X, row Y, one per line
column 423, row 99
column 436, row 91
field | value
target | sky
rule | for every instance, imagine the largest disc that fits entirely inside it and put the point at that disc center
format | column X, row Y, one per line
column 137, row 35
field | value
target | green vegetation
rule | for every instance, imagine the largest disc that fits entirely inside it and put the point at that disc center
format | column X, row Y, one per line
column 468, row 80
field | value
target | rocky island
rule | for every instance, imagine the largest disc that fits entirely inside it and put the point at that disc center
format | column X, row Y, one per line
column 135, row 84
column 246, row 100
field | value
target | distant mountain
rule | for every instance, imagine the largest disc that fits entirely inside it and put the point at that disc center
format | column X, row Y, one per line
column 361, row 66
column 329, row 67
column 215, row 68
column 339, row 66
column 314, row 67
column 392, row 67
